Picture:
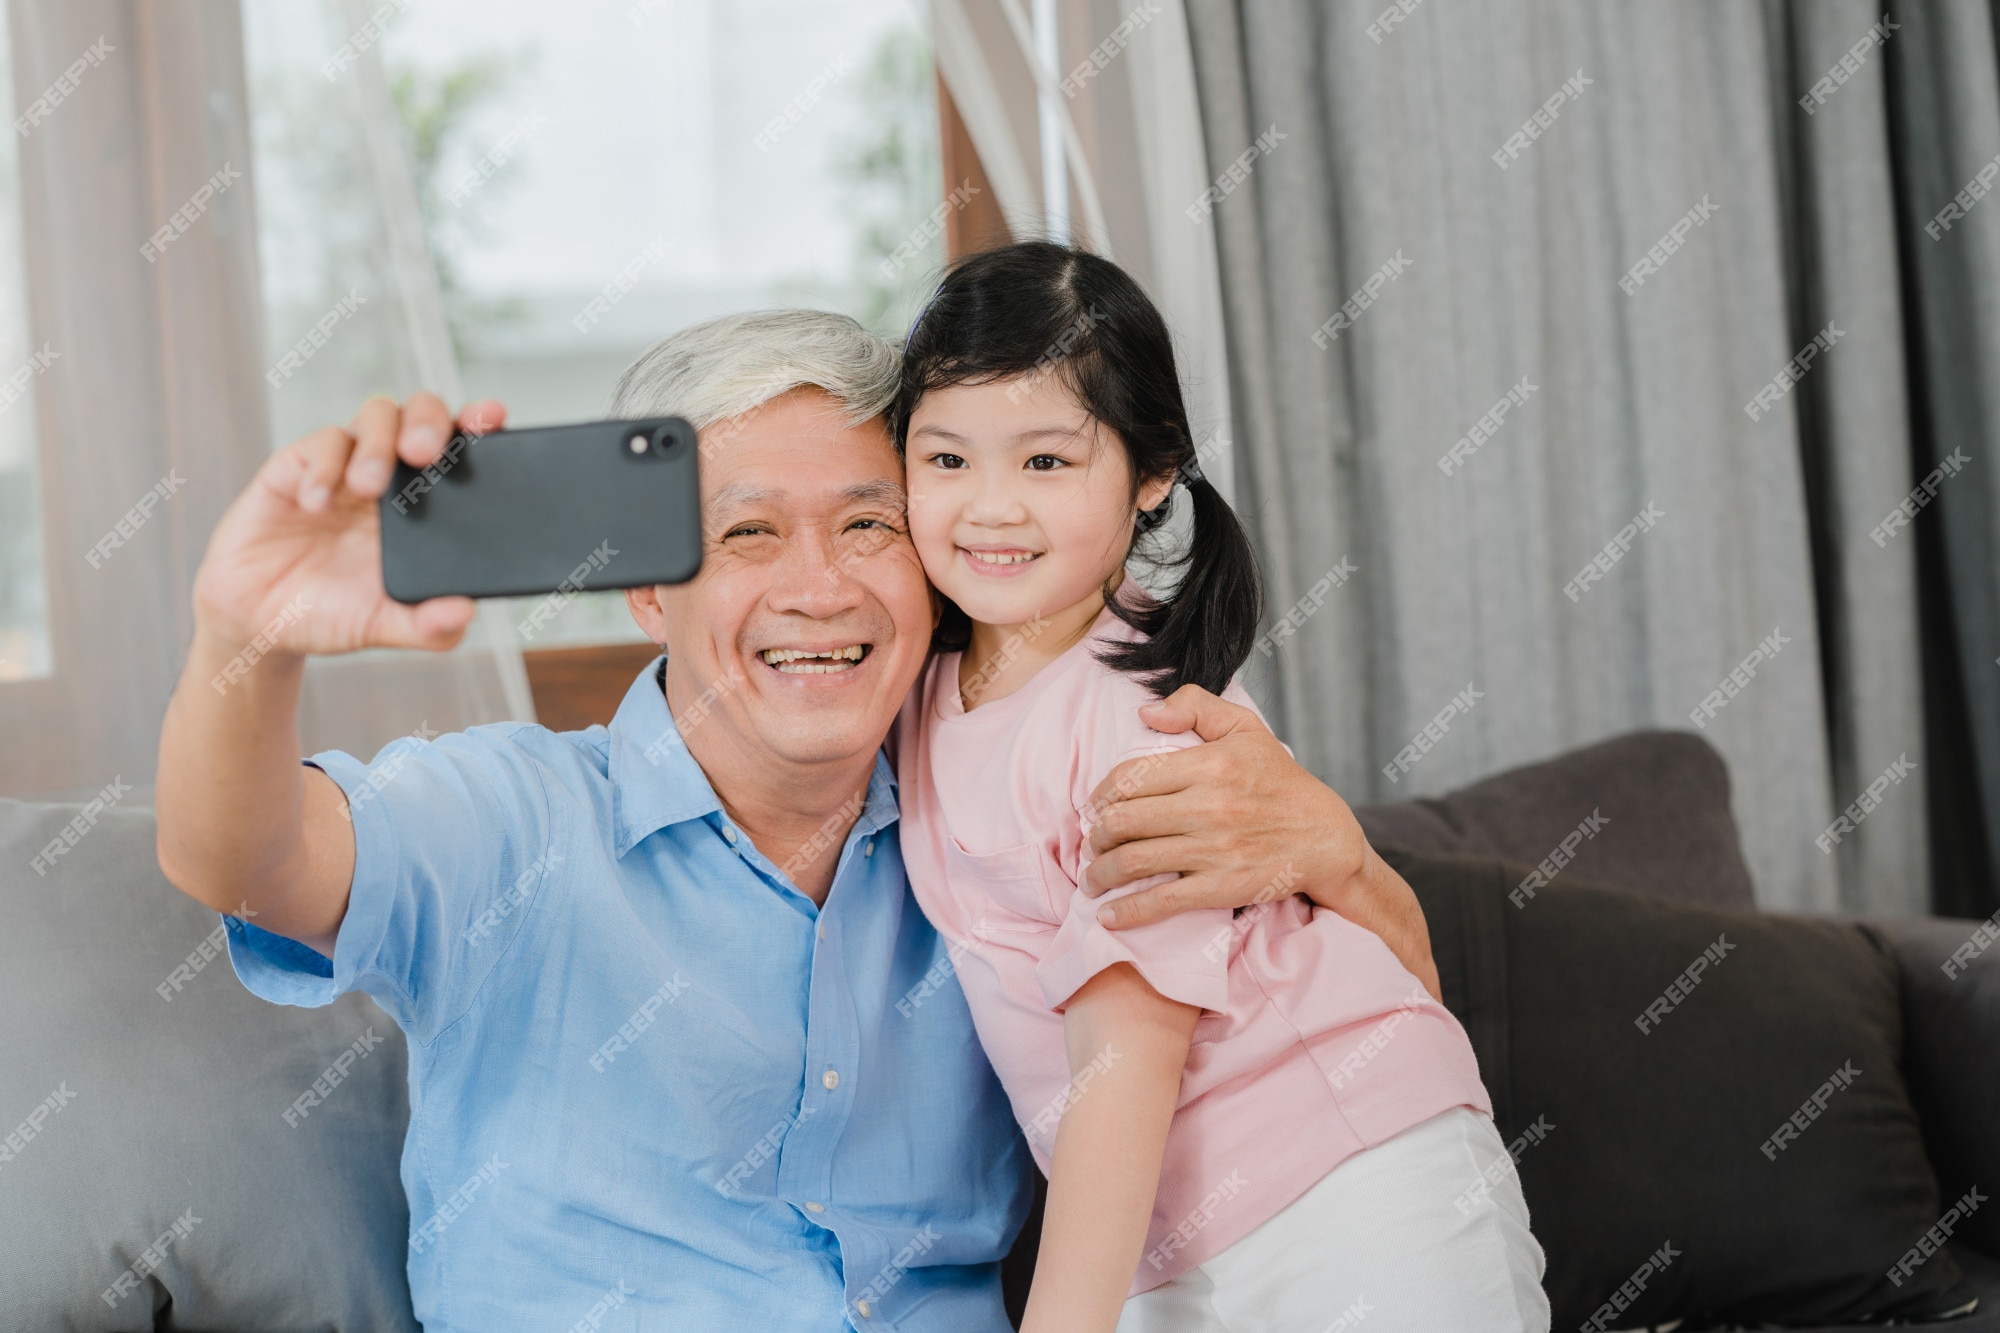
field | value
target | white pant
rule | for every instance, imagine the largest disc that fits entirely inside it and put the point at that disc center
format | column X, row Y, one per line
column 1427, row 1231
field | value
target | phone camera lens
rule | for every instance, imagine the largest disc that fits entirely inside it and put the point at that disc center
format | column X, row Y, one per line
column 663, row 442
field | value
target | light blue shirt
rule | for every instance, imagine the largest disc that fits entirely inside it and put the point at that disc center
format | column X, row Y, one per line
column 651, row 1085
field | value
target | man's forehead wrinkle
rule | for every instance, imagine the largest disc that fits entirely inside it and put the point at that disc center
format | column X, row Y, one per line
column 880, row 491
column 737, row 493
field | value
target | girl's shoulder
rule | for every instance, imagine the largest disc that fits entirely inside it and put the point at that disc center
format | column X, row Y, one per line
column 1109, row 727
column 1106, row 728
column 1114, row 697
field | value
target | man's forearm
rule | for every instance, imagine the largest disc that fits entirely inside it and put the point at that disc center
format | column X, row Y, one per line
column 231, row 791
column 1241, row 822
column 1378, row 899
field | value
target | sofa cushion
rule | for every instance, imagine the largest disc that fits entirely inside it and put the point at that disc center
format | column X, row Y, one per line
column 167, row 1167
column 1982, row 1276
column 1663, row 824
column 1951, row 1015
column 1715, row 1093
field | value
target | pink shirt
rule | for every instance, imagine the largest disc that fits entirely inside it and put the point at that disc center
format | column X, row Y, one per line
column 1316, row 1042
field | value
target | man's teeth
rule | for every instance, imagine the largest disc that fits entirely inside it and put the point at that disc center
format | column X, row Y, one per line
column 1002, row 557
column 796, row 662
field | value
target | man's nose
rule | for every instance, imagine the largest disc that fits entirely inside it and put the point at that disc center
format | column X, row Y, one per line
column 815, row 577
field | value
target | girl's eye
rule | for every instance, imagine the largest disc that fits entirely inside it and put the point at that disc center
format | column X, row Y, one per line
column 948, row 461
column 1046, row 463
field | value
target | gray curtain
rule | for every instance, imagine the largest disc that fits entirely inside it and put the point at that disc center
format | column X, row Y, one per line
column 1945, row 126
column 1506, row 274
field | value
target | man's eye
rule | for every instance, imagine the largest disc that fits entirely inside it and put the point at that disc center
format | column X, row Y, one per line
column 746, row 530
column 1046, row 463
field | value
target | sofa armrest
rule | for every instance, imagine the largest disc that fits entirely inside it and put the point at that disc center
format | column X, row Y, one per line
column 1951, row 1053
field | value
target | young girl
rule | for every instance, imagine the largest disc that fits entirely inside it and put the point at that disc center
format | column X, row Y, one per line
column 1248, row 1123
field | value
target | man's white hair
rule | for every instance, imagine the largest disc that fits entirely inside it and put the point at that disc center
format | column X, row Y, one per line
column 725, row 367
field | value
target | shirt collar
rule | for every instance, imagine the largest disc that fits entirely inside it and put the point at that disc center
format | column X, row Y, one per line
column 655, row 780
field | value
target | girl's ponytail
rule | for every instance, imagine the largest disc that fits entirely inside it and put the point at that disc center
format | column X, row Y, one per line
column 1201, row 632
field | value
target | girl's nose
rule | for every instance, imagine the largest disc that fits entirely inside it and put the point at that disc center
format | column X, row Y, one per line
column 995, row 504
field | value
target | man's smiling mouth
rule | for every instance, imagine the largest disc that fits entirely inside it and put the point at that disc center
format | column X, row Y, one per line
column 814, row 662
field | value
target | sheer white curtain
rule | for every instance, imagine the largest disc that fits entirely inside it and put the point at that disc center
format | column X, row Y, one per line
column 1129, row 127
column 364, row 702
column 158, row 374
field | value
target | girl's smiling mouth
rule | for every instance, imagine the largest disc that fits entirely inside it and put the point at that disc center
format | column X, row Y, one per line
column 998, row 561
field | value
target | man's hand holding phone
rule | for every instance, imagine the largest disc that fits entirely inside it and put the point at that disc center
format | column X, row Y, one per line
column 296, row 562
column 294, row 569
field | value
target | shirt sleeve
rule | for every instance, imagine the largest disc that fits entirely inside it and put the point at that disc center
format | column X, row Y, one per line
column 1186, row 956
column 453, row 838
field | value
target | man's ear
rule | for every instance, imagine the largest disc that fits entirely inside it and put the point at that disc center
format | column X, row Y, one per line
column 651, row 617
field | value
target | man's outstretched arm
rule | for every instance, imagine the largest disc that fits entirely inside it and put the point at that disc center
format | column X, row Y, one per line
column 1242, row 823
column 294, row 568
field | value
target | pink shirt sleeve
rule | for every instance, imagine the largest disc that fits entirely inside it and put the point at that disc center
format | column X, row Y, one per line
column 1186, row 956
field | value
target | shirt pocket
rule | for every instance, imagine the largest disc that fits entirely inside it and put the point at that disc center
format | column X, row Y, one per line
column 1013, row 880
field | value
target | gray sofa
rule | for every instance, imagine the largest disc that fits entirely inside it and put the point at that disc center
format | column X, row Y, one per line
column 180, row 1155
column 1668, row 833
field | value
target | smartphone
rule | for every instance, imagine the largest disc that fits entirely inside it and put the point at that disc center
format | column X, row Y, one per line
column 603, row 504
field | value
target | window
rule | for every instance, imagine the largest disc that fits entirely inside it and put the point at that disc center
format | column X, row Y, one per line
column 24, row 610
column 591, row 179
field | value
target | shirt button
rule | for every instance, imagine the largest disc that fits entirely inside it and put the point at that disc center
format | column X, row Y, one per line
column 868, row 848
column 822, row 930
column 812, row 1207
column 729, row 835
column 830, row 1079
column 862, row 1305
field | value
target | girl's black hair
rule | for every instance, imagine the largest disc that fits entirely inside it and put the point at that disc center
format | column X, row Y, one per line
column 1039, row 308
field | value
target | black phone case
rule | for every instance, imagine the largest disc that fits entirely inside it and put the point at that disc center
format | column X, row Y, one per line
column 550, row 509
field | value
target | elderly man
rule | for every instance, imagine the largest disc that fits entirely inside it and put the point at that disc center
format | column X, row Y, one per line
column 683, row 1052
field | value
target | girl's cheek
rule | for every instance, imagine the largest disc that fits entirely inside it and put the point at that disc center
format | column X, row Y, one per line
column 929, row 527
